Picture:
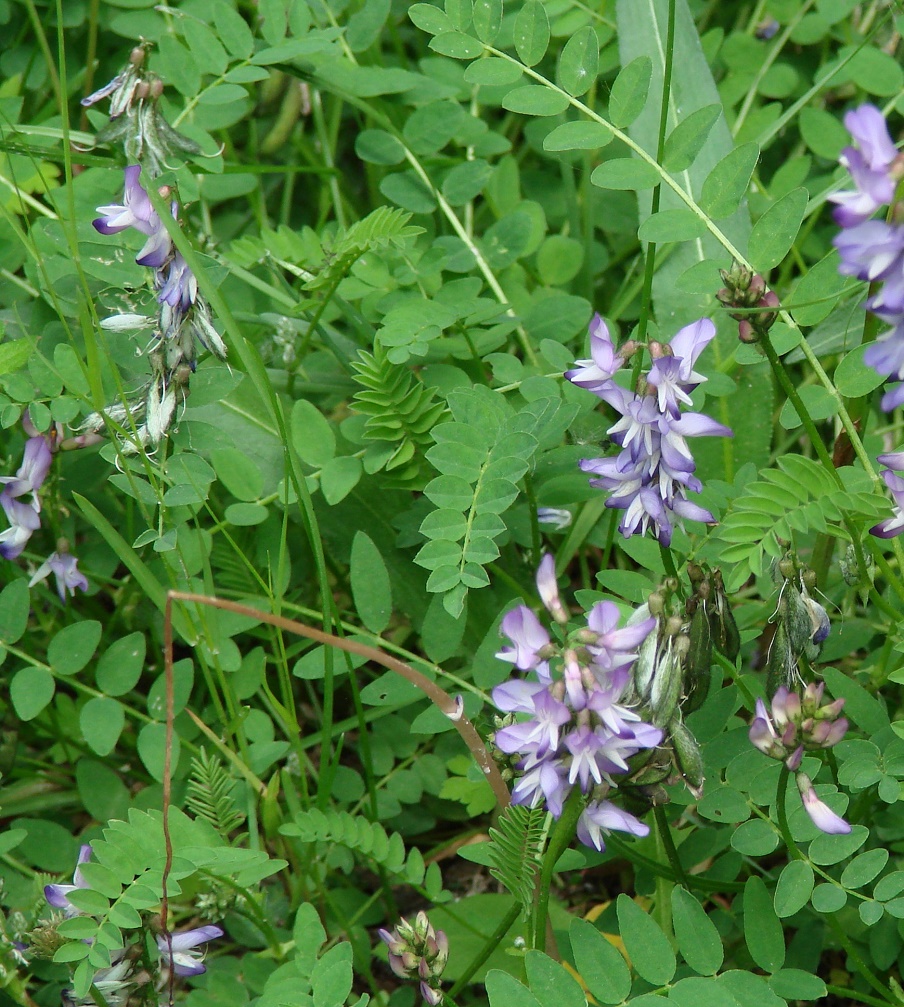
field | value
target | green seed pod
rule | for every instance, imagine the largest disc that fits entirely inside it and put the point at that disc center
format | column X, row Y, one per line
column 688, row 757
column 724, row 629
column 782, row 662
column 698, row 664
column 665, row 687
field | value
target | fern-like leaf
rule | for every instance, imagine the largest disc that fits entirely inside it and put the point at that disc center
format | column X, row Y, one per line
column 371, row 840
column 386, row 227
column 210, row 795
column 516, row 850
column 401, row 413
column 800, row 496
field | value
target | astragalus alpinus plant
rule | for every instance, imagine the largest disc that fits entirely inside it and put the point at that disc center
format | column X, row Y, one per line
column 465, row 441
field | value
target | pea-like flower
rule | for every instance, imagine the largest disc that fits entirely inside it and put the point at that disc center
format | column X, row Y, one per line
column 58, row 895
column 651, row 476
column 417, row 950
column 820, row 813
column 182, row 952
column 137, row 211
column 893, row 525
column 64, row 567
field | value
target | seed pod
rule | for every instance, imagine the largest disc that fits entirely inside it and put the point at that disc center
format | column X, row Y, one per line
column 687, row 756
column 725, row 636
column 698, row 664
column 665, row 687
column 782, row 662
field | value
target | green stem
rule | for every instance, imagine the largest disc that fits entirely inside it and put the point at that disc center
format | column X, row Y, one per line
column 781, row 798
column 559, row 842
column 664, row 831
column 865, row 972
column 845, row 993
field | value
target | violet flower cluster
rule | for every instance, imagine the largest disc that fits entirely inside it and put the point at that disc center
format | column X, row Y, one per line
column 21, row 503
column 574, row 729
column 651, row 476
column 792, row 725
column 873, row 250
column 182, row 317
column 182, row 951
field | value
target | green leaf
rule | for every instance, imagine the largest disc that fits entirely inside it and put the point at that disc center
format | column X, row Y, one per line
column 365, row 25
column 456, row 44
column 818, row 402
column 599, row 963
column 679, row 224
column 430, row 18
column 493, row 71
column 647, row 946
column 466, row 181
column 755, row 838
column 152, row 749
column 312, row 435
column 698, row 940
column 331, row 977
column 726, row 185
column 487, row 19
column 14, row 354
column 580, row 62
column 828, row 898
column 762, row 929
column 853, row 377
column 531, row 32
column 14, row 609
column 629, row 91
column 724, row 804
column 826, row 850
column 551, row 982
column 339, row 477
column 30, row 691
column 240, row 474
column 625, row 173
column 774, row 233
column 863, row 868
column 101, row 721
column 534, row 99
column 376, row 146
column 795, row 984
column 579, row 135
column 504, row 990
column 73, row 647
column 817, row 294
column 686, row 140
column 864, row 709
column 370, row 583
column 120, row 665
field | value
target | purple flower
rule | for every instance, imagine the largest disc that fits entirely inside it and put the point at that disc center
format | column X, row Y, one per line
column 650, row 478
column 596, row 373
column 178, row 950
column 541, row 733
column 893, row 525
column 57, row 895
column 32, row 472
column 614, row 649
column 529, row 637
column 820, row 813
column 64, row 566
column 178, row 286
column 871, row 167
column 136, row 211
column 602, row 817
column 545, row 781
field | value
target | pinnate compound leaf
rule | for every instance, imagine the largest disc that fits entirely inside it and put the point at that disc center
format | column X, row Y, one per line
column 531, row 32
column 647, row 946
column 599, row 964
column 579, row 62
column 629, row 91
